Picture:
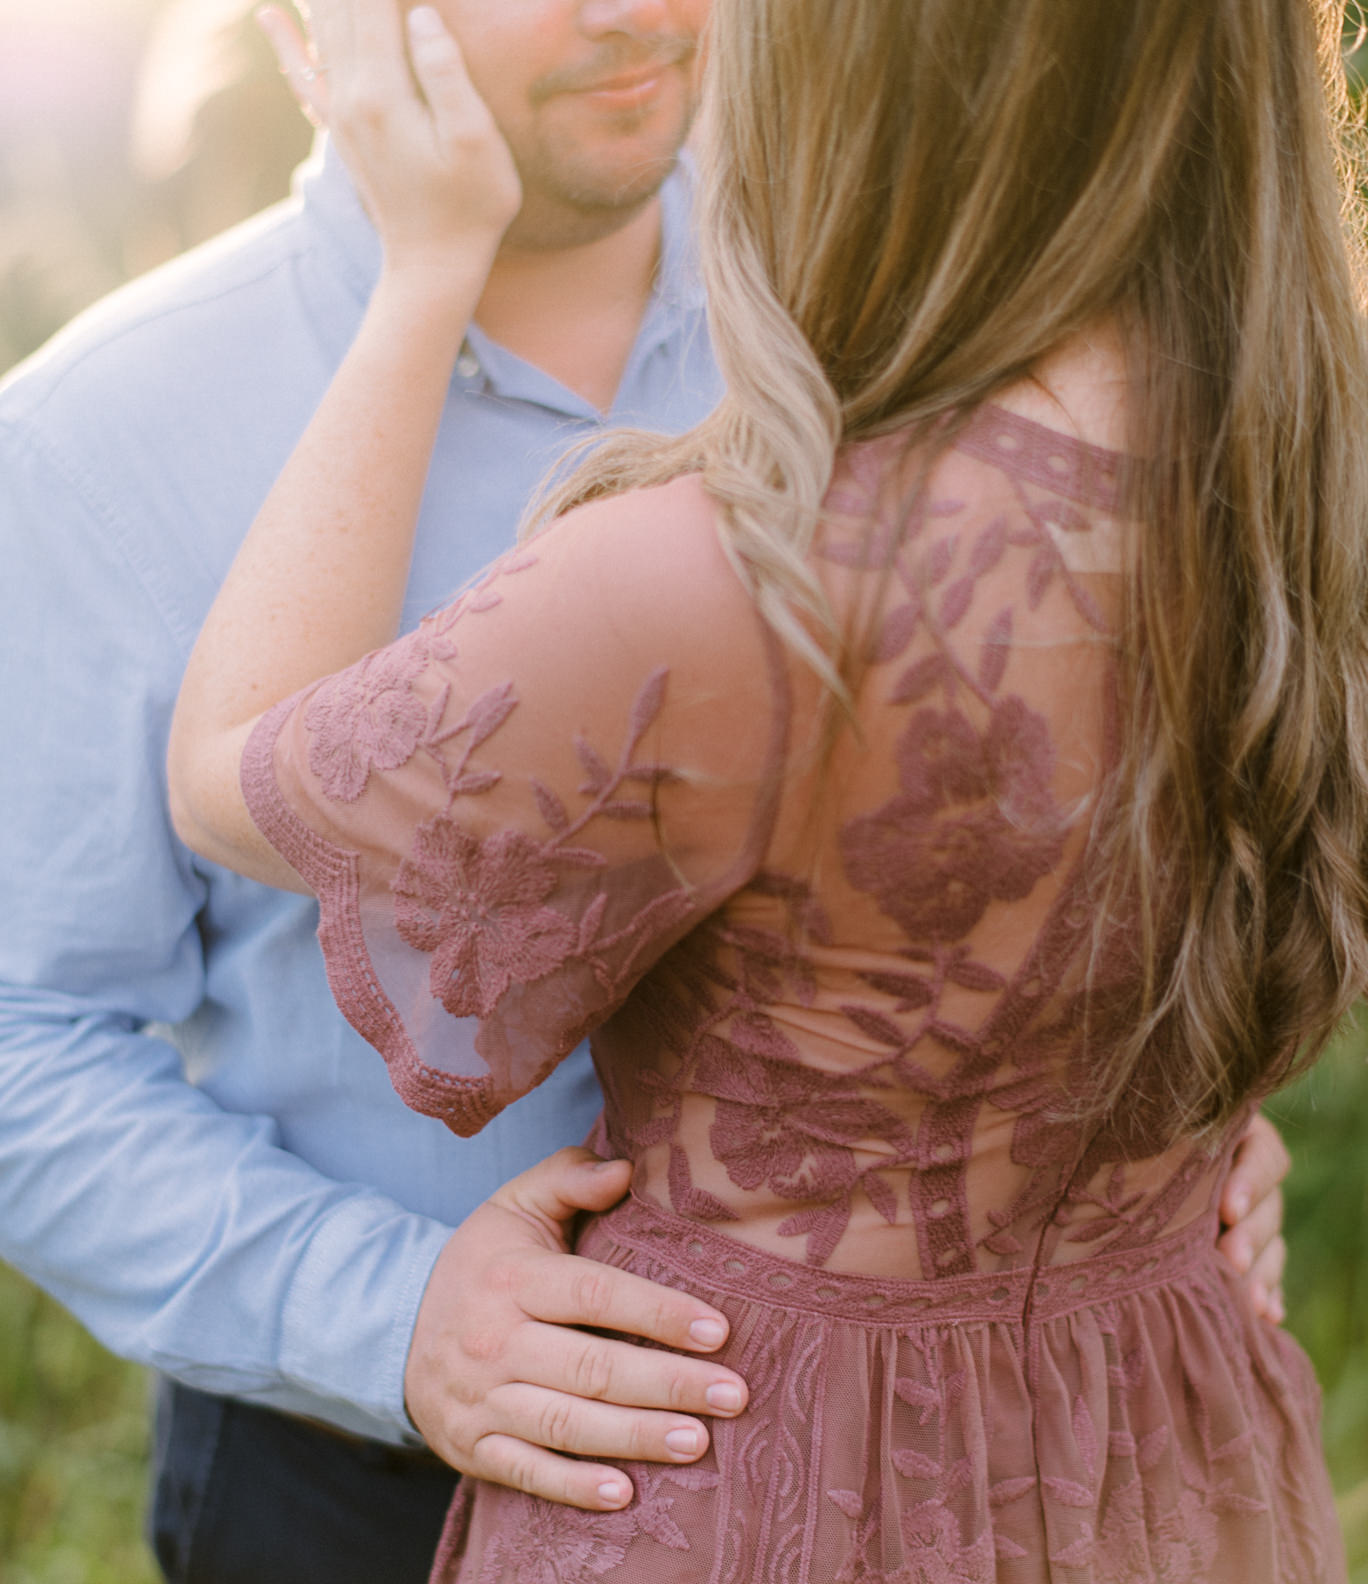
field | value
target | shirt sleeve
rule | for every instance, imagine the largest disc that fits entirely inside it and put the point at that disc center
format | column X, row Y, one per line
column 515, row 811
column 182, row 1234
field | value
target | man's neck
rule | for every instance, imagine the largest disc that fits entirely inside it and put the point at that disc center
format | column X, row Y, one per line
column 575, row 312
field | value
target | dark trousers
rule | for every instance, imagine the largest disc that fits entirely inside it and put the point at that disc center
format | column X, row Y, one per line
column 242, row 1495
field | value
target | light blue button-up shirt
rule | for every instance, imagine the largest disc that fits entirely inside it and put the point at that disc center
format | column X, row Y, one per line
column 197, row 1155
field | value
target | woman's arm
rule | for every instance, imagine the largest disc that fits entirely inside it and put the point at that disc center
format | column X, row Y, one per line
column 320, row 578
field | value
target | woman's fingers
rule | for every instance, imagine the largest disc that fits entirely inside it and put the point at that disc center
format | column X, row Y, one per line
column 463, row 127
column 299, row 64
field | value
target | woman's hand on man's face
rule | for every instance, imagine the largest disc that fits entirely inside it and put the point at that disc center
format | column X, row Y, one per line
column 433, row 169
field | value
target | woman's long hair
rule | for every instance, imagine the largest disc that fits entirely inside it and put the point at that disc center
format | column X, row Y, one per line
column 907, row 205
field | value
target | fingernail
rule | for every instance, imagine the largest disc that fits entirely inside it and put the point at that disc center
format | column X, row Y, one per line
column 612, row 1495
column 683, row 1443
column 708, row 1333
column 1239, row 1204
column 724, row 1397
column 425, row 21
column 603, row 1166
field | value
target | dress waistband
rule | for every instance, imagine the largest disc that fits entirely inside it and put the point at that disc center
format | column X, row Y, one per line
column 709, row 1259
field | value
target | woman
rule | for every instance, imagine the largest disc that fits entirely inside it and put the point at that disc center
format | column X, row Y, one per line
column 946, row 822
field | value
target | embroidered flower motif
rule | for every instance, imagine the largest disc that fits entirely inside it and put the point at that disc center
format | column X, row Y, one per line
column 367, row 717
column 787, row 1128
column 475, row 905
column 975, row 821
column 935, row 1554
column 541, row 1543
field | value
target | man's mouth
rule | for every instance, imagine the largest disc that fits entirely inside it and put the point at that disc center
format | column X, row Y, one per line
column 628, row 87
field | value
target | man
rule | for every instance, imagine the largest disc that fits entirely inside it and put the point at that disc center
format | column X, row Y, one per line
column 250, row 1208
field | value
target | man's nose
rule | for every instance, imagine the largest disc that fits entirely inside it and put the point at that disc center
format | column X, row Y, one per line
column 597, row 17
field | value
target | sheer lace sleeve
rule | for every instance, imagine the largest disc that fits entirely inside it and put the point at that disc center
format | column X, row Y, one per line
column 510, row 814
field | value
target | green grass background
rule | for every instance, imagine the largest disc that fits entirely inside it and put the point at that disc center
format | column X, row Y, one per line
column 74, row 1421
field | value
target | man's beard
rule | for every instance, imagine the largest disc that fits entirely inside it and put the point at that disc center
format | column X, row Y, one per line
column 572, row 195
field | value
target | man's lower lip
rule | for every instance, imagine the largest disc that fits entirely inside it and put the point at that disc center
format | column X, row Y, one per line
column 626, row 96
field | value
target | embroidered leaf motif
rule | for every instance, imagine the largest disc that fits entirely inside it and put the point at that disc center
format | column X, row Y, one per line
column 656, row 1521
column 648, row 702
column 1085, row 1436
column 846, row 1501
column 974, row 976
column 1039, row 575
column 1079, row 1554
column 897, row 632
column 824, row 1228
column 920, row 679
column 579, row 857
column 916, row 1465
column 482, row 600
column 935, row 566
column 592, row 921
column 1152, row 1448
column 472, row 782
column 489, row 712
column 877, row 1025
column 1069, row 1492
column 653, row 775
column 911, row 990
column 626, row 809
column 1002, row 1243
column 596, row 774
column 696, row 1203
column 881, row 1196
column 692, row 1479
column 989, row 548
column 1010, row 1490
column 997, row 642
column 550, row 807
column 955, row 606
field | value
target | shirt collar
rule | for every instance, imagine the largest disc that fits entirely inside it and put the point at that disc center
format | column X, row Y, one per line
column 332, row 203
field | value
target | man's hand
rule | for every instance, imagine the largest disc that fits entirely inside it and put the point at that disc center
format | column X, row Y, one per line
column 500, row 1383
column 1251, row 1215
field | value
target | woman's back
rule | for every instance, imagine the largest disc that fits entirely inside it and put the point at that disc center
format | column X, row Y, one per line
column 868, row 1057
column 840, row 1026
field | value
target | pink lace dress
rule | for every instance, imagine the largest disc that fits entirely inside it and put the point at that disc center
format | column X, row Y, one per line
column 836, row 1014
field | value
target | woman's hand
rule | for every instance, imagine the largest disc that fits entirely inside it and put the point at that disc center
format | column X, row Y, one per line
column 433, row 169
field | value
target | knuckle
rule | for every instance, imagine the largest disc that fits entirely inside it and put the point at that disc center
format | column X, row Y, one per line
column 556, row 1423
column 679, row 1389
column 592, row 1295
column 485, row 1345
column 592, row 1373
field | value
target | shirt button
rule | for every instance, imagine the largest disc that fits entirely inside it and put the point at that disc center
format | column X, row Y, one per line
column 467, row 365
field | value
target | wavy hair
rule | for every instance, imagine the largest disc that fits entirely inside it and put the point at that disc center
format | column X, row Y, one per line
column 907, row 204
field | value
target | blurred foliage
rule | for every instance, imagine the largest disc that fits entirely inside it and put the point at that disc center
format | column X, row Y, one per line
column 73, row 1450
column 214, row 136
column 1324, row 1121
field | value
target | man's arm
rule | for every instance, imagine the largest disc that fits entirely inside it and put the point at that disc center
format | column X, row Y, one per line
column 182, row 1234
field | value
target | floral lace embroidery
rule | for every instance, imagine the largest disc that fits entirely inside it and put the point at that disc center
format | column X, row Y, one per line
column 770, row 1058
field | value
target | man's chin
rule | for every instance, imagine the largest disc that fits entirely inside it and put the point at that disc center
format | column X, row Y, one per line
column 572, row 206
